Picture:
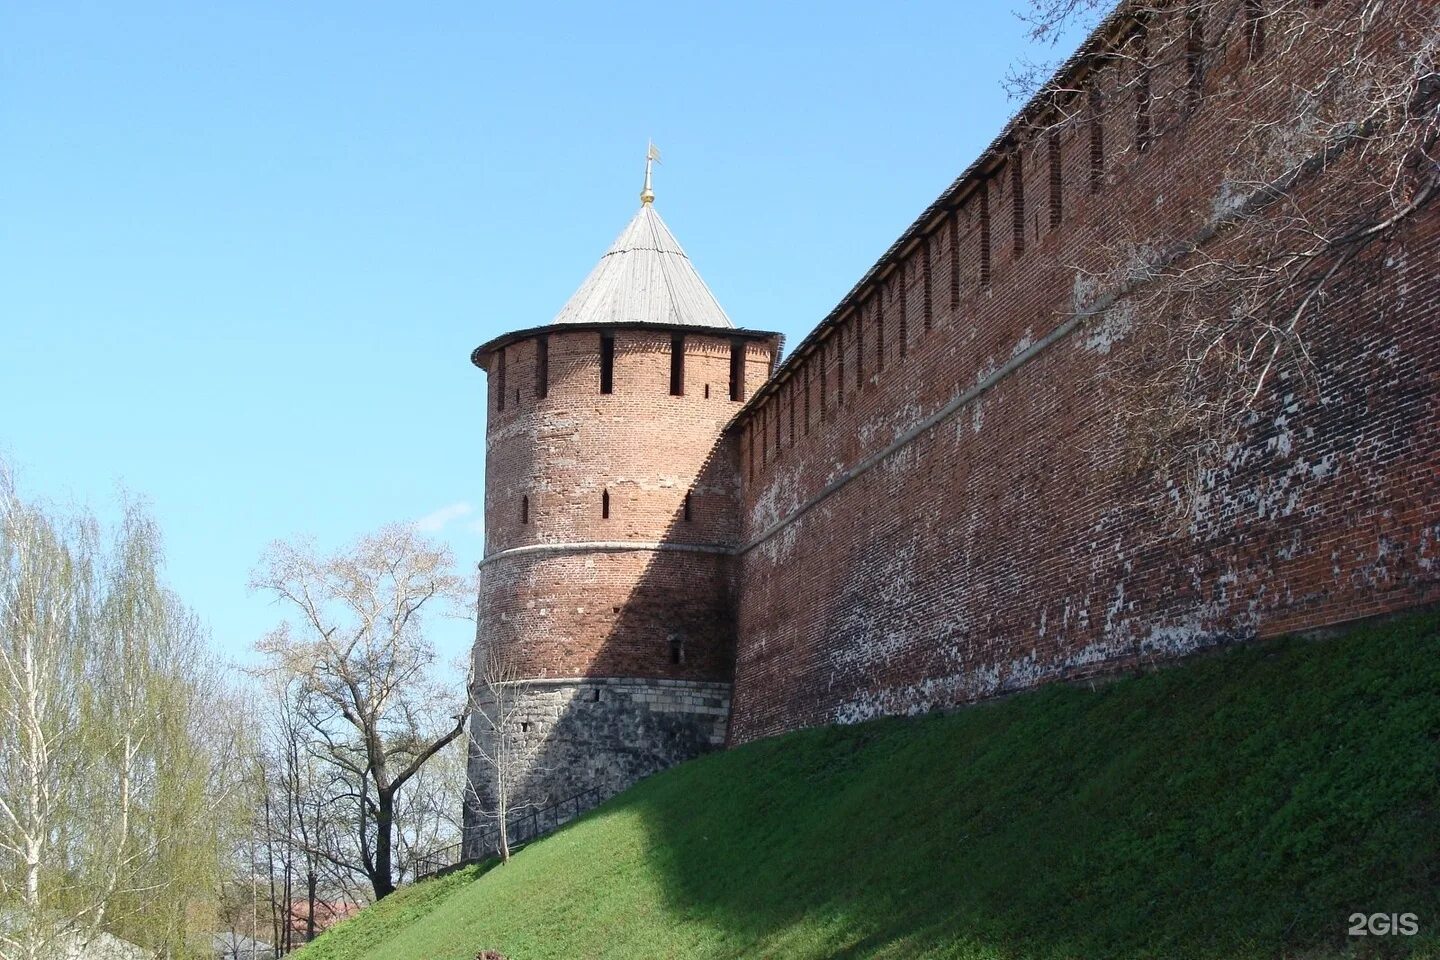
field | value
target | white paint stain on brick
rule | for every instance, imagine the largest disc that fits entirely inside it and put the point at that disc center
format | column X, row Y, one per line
column 1108, row 329
column 1228, row 199
column 1162, row 640
column 876, row 626
column 889, row 423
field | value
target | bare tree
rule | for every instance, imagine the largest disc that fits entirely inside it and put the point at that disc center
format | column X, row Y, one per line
column 429, row 815
column 1332, row 147
column 500, row 744
column 303, row 803
column 297, row 865
column 364, row 669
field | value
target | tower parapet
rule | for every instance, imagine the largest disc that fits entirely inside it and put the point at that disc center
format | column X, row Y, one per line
column 611, row 510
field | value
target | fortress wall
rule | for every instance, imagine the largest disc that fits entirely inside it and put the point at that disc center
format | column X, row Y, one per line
column 1009, row 543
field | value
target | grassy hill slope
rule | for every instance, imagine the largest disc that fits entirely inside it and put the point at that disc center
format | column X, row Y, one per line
column 1244, row 804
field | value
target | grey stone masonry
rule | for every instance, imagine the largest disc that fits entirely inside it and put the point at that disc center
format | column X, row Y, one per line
column 606, row 732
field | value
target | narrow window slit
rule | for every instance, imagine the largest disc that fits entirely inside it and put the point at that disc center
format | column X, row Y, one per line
column 926, row 278
column 775, row 402
column 880, row 327
column 954, row 259
column 792, row 413
column 525, row 509
column 765, row 436
column 807, row 398
column 607, row 363
column 1056, row 181
column 904, row 304
column 737, row 370
column 1097, row 136
column 677, row 364
column 1255, row 28
column 1195, row 53
column 824, row 386
column 1142, row 88
column 985, row 234
column 542, row 367
column 1017, row 202
column 859, row 321
column 500, row 379
column 605, row 504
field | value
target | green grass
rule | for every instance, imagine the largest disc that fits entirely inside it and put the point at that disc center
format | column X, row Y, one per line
column 377, row 924
column 1241, row 805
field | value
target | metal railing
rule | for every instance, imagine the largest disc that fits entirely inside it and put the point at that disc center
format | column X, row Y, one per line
column 523, row 826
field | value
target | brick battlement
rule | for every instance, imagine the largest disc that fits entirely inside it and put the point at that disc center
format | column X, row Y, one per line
column 934, row 508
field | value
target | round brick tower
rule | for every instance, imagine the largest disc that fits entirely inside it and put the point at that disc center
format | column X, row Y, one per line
column 610, row 513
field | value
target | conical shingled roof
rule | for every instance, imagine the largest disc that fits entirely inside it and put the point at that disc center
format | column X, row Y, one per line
column 645, row 277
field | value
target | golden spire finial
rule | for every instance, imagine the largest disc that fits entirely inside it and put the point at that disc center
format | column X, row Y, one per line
column 652, row 156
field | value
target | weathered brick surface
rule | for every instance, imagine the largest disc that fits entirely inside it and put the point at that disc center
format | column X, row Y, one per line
column 581, row 610
column 621, row 626
column 1007, row 546
column 611, row 614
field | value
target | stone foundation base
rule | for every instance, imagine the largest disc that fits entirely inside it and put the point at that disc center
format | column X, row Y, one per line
column 605, row 732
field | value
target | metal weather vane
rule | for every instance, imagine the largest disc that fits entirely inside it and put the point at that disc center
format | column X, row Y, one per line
column 652, row 157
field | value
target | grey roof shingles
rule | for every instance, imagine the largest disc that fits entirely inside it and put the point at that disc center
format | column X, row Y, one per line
column 645, row 277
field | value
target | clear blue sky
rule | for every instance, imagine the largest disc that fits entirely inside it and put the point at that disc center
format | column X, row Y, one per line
column 246, row 248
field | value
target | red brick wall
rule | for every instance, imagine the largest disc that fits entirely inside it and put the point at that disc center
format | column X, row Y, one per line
column 584, row 612
column 1007, row 545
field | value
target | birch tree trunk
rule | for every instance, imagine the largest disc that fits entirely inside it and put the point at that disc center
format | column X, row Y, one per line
column 510, row 757
column 115, row 786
